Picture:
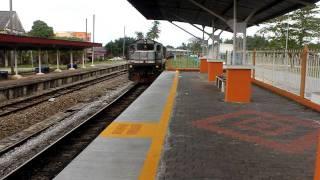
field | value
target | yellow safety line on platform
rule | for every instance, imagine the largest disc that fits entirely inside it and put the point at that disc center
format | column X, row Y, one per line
column 317, row 166
column 130, row 130
column 151, row 162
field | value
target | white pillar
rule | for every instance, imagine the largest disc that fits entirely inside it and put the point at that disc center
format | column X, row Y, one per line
column 39, row 62
column 16, row 76
column 202, row 41
column 6, row 61
column 244, row 44
column 31, row 58
column 47, row 57
column 83, row 58
column 92, row 61
column 234, row 31
column 71, row 61
column 212, row 37
column 58, row 63
column 15, row 62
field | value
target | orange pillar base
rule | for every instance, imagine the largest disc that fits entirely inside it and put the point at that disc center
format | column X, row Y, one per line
column 203, row 65
column 238, row 86
column 215, row 68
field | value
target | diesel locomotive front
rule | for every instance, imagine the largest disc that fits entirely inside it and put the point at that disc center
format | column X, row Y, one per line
column 146, row 60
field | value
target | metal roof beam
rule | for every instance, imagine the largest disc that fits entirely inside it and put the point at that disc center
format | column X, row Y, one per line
column 301, row 2
column 274, row 3
column 185, row 30
column 200, row 29
column 208, row 10
column 184, row 20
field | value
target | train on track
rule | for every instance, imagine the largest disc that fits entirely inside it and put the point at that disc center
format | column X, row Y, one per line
column 146, row 60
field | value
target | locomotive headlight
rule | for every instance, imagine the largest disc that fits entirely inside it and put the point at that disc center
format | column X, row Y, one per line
column 130, row 66
column 157, row 66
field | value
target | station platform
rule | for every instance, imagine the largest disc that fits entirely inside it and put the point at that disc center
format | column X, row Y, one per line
column 29, row 79
column 181, row 128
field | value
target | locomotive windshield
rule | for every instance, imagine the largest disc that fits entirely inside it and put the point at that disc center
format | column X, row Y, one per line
column 145, row 47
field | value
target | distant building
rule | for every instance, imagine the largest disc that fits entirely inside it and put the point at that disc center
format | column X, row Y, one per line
column 70, row 34
column 226, row 47
column 99, row 53
column 171, row 52
column 5, row 23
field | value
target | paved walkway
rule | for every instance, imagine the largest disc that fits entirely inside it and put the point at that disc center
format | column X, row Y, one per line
column 270, row 138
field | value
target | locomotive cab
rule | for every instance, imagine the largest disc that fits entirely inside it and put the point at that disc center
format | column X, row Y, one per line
column 146, row 60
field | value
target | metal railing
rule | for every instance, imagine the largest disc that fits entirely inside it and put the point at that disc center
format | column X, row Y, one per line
column 183, row 61
column 296, row 71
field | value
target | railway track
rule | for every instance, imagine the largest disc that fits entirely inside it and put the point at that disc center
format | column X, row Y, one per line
column 24, row 103
column 51, row 159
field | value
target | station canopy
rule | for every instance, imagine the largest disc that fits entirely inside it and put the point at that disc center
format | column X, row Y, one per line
column 34, row 43
column 189, row 10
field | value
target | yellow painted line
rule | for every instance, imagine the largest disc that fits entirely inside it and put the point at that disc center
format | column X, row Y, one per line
column 317, row 167
column 130, row 130
column 151, row 162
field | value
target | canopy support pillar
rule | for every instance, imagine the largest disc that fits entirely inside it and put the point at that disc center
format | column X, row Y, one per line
column 58, row 61
column 234, row 31
column 238, row 85
column 31, row 58
column 71, row 61
column 39, row 62
column 16, row 76
column 83, row 58
column 6, row 60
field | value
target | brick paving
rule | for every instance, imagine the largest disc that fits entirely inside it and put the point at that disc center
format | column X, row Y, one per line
column 270, row 138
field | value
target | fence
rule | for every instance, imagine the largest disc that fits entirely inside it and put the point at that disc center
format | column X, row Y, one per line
column 296, row 71
column 183, row 61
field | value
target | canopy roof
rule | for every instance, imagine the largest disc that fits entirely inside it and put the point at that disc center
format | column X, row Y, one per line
column 29, row 43
column 187, row 11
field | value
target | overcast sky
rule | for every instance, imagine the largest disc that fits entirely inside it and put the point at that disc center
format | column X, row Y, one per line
column 111, row 17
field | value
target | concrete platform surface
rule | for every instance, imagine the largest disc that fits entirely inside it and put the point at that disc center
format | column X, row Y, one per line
column 270, row 138
column 180, row 128
column 120, row 151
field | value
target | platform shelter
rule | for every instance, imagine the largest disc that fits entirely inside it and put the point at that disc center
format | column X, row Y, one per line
column 16, row 43
column 227, row 15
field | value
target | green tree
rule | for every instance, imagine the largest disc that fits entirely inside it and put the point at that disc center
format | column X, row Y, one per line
column 139, row 35
column 194, row 45
column 41, row 29
column 257, row 42
column 114, row 48
column 154, row 31
column 69, row 38
column 304, row 26
column 183, row 46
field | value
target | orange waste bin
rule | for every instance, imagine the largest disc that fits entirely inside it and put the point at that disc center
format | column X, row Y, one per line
column 215, row 68
column 203, row 65
column 238, row 86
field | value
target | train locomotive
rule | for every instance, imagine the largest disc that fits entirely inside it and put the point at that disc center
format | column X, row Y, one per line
column 146, row 60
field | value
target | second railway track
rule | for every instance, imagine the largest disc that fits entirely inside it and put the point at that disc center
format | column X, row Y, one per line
column 51, row 159
column 24, row 103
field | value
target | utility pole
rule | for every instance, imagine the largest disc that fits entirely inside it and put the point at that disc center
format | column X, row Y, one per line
column 124, row 41
column 11, row 32
column 84, row 53
column 93, row 24
column 86, row 29
column 11, row 18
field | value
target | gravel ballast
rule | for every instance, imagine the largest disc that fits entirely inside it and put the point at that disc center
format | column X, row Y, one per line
column 23, row 119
